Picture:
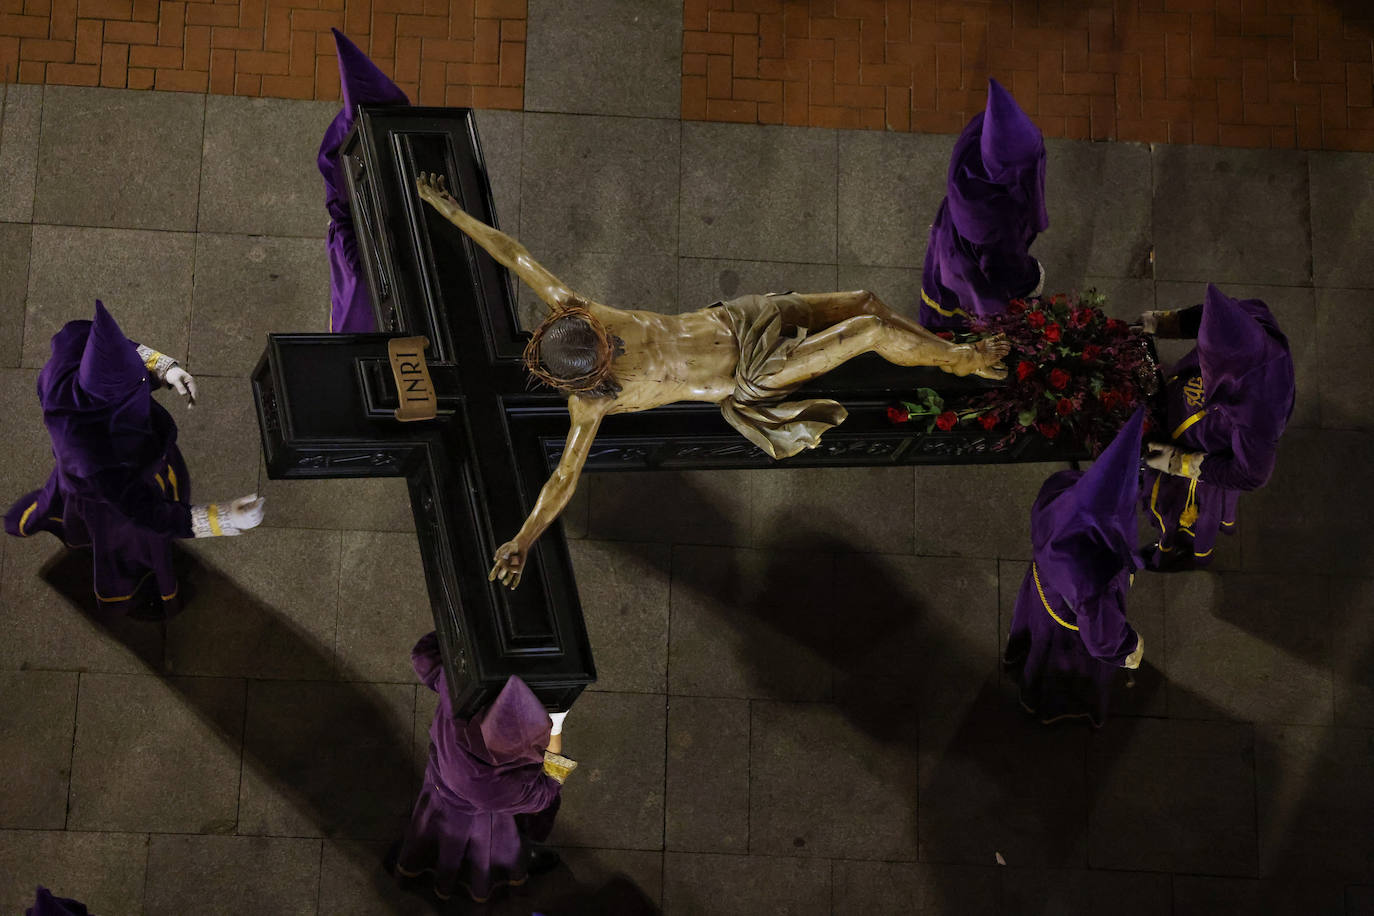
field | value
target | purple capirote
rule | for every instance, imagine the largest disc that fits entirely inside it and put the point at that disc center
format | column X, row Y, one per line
column 1230, row 398
column 978, row 257
column 486, row 796
column 1069, row 634
column 119, row 484
column 363, row 84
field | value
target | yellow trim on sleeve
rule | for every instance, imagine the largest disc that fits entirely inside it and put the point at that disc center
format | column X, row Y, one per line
column 172, row 479
column 212, row 516
column 1205, row 553
column 1183, row 427
column 25, row 517
column 1154, row 495
column 161, row 483
column 1035, row 574
column 151, row 362
column 943, row 311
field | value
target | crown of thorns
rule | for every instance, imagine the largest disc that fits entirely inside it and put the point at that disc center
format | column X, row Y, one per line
column 599, row 378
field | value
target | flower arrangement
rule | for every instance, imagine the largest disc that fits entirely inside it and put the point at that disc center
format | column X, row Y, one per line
column 1075, row 374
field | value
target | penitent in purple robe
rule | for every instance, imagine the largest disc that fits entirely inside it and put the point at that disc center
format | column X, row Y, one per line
column 978, row 258
column 482, row 773
column 363, row 84
column 1069, row 633
column 45, row 904
column 119, row 485
column 1230, row 398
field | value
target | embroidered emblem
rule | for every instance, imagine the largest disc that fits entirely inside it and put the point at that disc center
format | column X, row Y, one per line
column 1192, row 391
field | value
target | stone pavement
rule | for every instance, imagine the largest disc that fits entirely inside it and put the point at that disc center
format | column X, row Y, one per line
column 800, row 708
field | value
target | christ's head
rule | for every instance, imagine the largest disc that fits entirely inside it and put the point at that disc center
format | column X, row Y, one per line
column 573, row 352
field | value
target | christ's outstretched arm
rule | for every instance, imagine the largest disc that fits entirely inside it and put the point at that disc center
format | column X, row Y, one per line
column 586, row 416
column 506, row 250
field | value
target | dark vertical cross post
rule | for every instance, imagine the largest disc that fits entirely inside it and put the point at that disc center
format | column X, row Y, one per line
column 328, row 407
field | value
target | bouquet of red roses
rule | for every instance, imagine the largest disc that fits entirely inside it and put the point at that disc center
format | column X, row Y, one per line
column 1075, row 373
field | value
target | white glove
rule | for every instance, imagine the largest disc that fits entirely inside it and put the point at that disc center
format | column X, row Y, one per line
column 1133, row 660
column 557, row 718
column 184, row 384
column 1149, row 321
column 1176, row 461
column 216, row 519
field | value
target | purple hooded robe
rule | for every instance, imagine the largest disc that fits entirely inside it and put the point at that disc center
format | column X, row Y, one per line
column 482, row 773
column 119, row 485
column 47, row 905
column 1069, row 633
column 978, row 257
column 363, row 84
column 1230, row 398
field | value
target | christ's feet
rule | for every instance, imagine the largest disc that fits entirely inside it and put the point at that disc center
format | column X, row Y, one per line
column 982, row 358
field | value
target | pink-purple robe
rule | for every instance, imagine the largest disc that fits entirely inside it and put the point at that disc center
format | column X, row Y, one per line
column 486, row 795
column 1230, row 398
column 1069, row 633
column 45, row 904
column 363, row 84
column 978, row 257
column 119, row 485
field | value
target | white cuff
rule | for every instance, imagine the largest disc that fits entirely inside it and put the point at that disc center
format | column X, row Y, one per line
column 159, row 364
column 205, row 521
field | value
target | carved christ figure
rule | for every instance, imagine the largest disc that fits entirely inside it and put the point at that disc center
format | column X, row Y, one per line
column 747, row 355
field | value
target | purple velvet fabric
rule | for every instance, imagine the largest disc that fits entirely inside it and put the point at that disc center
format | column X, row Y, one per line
column 48, row 905
column 119, row 485
column 978, row 257
column 485, row 778
column 363, row 84
column 1230, row 398
column 1069, row 633
column 45, row 904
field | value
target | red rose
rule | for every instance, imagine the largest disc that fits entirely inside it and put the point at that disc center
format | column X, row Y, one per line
column 1081, row 318
column 1111, row 399
column 1016, row 306
column 946, row 420
column 1048, row 428
column 1059, row 298
column 1024, row 369
column 989, row 420
column 1064, row 406
column 1052, row 333
column 1091, row 352
column 898, row 415
column 945, row 335
column 1036, row 319
column 1059, row 379
column 1116, row 326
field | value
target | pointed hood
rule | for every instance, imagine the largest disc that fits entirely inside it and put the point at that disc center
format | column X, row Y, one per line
column 110, row 366
column 1083, row 524
column 363, row 83
column 1247, row 370
column 1010, row 137
column 513, row 730
column 1013, row 151
column 995, row 189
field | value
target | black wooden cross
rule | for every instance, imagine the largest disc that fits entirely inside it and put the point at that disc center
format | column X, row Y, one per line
column 326, row 406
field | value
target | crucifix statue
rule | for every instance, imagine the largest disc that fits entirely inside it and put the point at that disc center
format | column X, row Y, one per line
column 747, row 355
